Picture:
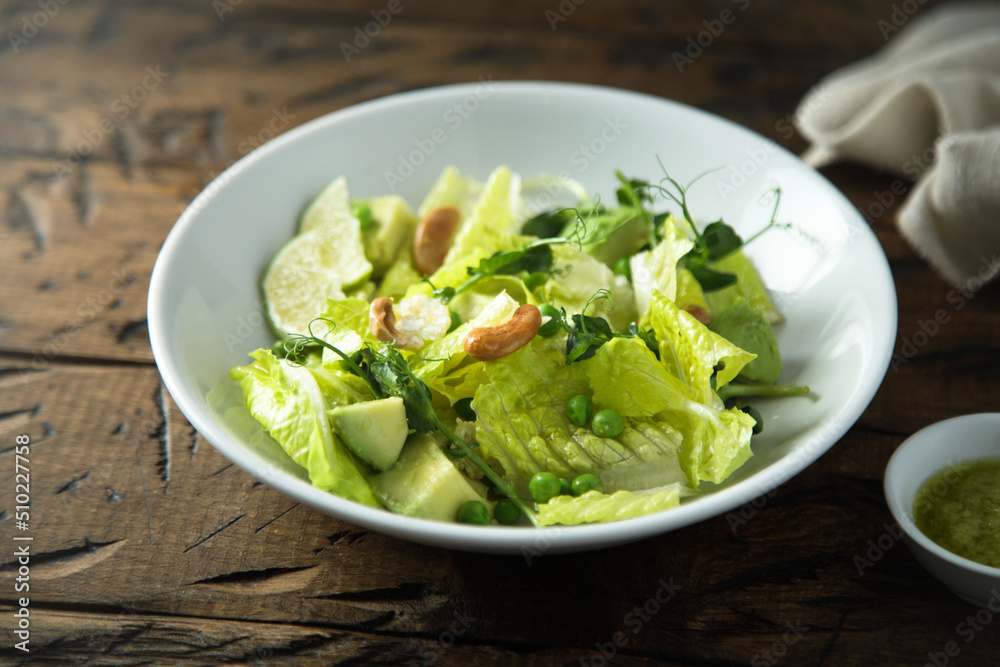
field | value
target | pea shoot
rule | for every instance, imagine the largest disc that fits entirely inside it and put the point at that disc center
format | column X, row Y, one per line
column 552, row 326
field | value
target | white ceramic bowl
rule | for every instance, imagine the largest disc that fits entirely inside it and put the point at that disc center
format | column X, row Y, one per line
column 829, row 276
column 926, row 452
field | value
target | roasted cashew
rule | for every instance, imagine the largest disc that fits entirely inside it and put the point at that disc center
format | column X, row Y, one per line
column 433, row 238
column 489, row 343
column 699, row 313
column 382, row 322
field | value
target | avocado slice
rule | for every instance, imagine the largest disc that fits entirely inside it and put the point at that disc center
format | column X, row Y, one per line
column 749, row 329
column 425, row 483
column 374, row 430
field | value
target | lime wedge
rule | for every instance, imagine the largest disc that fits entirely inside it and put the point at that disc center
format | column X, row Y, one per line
column 332, row 206
column 325, row 260
column 297, row 283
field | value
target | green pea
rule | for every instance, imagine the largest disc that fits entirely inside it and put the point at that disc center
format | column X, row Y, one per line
column 463, row 407
column 456, row 320
column 587, row 482
column 579, row 409
column 608, row 424
column 623, row 268
column 363, row 213
column 474, row 512
column 565, row 488
column 544, row 486
column 552, row 326
column 507, row 512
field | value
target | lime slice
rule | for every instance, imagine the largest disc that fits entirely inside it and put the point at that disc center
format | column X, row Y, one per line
column 332, row 206
column 325, row 260
column 297, row 284
column 338, row 235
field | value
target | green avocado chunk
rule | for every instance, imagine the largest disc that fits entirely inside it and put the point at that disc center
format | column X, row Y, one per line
column 749, row 329
column 425, row 483
column 374, row 430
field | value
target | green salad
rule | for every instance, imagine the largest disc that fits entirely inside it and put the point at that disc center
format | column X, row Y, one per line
column 487, row 361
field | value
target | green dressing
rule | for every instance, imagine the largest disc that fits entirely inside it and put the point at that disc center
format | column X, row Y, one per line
column 959, row 508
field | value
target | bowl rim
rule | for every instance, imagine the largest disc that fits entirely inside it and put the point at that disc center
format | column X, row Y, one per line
column 507, row 539
column 901, row 508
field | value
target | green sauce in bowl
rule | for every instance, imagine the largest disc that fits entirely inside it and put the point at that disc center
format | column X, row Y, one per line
column 959, row 508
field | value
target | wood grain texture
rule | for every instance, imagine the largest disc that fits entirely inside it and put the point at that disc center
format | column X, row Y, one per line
column 151, row 548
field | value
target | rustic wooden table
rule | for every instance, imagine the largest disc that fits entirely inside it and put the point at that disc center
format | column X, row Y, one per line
column 150, row 548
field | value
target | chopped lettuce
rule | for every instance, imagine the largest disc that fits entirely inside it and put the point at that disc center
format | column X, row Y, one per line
column 691, row 351
column 522, row 426
column 656, row 269
column 627, row 377
column 578, row 276
column 287, row 402
column 595, row 506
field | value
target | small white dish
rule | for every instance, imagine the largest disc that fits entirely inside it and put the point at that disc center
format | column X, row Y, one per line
column 829, row 276
column 928, row 451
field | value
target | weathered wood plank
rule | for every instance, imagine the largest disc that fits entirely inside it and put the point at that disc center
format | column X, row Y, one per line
column 130, row 515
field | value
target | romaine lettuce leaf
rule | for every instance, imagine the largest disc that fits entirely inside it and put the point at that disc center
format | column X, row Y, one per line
column 578, row 277
column 349, row 328
column 656, row 269
column 287, row 402
column 595, row 506
column 691, row 352
column 443, row 364
column 491, row 221
column 627, row 377
column 522, row 426
column 454, row 190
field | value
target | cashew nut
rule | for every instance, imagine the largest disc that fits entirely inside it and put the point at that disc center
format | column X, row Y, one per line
column 382, row 322
column 489, row 343
column 433, row 238
column 699, row 313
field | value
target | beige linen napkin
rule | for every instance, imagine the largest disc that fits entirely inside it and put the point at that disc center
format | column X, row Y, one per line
column 926, row 107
